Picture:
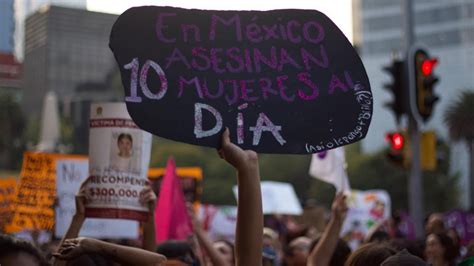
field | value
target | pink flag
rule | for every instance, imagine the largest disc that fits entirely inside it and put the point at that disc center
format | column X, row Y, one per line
column 171, row 218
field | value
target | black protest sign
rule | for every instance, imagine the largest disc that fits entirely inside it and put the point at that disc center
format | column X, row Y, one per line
column 282, row 81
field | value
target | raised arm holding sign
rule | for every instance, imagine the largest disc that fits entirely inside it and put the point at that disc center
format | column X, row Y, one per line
column 282, row 81
column 249, row 231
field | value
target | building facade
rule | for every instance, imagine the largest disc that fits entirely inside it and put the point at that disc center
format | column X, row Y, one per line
column 64, row 48
column 446, row 29
column 24, row 8
column 10, row 76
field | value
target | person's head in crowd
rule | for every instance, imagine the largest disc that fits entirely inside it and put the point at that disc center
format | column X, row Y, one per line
column 297, row 251
column 340, row 255
column 269, row 257
column 271, row 243
column 379, row 237
column 371, row 254
column 469, row 249
column 47, row 249
column 14, row 251
column 226, row 249
column 403, row 258
column 177, row 253
column 413, row 247
column 453, row 234
column 125, row 145
column 270, row 237
column 435, row 224
column 440, row 249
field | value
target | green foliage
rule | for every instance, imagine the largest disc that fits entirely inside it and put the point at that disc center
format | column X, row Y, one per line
column 12, row 124
column 366, row 171
column 66, row 130
column 376, row 172
column 459, row 117
column 66, row 135
column 219, row 177
column 114, row 83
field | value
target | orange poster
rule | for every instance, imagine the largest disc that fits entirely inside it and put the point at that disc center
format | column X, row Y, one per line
column 7, row 195
column 36, row 193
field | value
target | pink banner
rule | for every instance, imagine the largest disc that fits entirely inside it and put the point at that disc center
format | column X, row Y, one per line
column 171, row 218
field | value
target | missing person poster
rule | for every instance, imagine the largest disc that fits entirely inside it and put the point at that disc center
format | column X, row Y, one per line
column 70, row 173
column 119, row 155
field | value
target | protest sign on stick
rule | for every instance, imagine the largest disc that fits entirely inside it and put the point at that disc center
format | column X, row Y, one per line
column 283, row 81
column 69, row 176
column 330, row 167
column 7, row 195
column 219, row 221
column 36, row 193
column 119, row 154
column 366, row 209
column 277, row 198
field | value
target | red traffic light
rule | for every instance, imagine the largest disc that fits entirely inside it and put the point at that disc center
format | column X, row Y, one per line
column 396, row 140
column 428, row 65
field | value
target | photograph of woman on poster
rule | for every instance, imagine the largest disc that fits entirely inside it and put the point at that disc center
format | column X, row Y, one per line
column 124, row 160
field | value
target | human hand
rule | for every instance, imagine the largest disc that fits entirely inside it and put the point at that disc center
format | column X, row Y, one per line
column 194, row 219
column 148, row 197
column 81, row 199
column 233, row 154
column 75, row 247
column 339, row 207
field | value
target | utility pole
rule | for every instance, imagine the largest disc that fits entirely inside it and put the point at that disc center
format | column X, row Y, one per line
column 415, row 187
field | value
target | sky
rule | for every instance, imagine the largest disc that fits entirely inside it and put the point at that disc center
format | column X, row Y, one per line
column 339, row 11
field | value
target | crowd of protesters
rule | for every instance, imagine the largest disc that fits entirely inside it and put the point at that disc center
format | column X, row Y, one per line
column 254, row 244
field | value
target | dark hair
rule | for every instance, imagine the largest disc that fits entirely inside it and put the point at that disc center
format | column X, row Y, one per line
column 340, row 255
column 470, row 249
column 229, row 244
column 415, row 248
column 450, row 250
column 379, row 237
column 10, row 245
column 179, row 250
column 126, row 136
column 371, row 254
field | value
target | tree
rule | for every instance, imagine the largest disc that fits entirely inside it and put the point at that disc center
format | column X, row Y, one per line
column 12, row 123
column 366, row 171
column 374, row 171
column 459, row 117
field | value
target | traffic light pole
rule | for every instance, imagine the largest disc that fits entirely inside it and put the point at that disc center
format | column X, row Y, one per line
column 415, row 187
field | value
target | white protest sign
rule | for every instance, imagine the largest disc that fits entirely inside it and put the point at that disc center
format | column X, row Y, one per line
column 330, row 167
column 70, row 173
column 278, row 198
column 119, row 155
column 366, row 208
column 219, row 221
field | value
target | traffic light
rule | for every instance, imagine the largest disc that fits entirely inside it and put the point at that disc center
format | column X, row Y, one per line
column 397, row 145
column 425, row 81
column 396, row 86
column 400, row 151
